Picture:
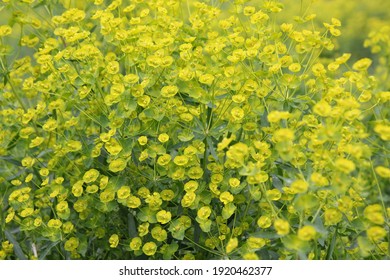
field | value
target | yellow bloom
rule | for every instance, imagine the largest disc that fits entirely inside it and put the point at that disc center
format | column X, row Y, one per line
column 250, row 85
column 77, row 189
column 231, row 245
column 131, row 78
column 322, row 108
column 117, row 165
column 169, row 91
column 113, row 67
column 250, row 256
column 80, row 205
column 382, row 171
column 163, row 216
column 299, row 186
column 62, row 206
column 153, row 61
column 259, row 17
column 91, row 175
column 333, row 66
column 238, row 152
column 28, row 178
column 249, row 10
column 163, row 137
column 234, row 182
column 123, row 192
column 307, row 233
column 27, row 212
column 50, row 125
column 113, row 146
column 143, row 156
column 107, row 196
column 71, row 244
column 149, row 248
column 164, row 159
column 283, row 134
column 255, row 242
column 114, row 241
column 3, row 255
column 383, row 131
column 188, row 199
column 135, row 243
column 54, row 223
column 10, row 216
column 376, row 233
column 384, row 96
column 180, row 160
column 204, row 212
column 167, row 195
column 362, row 64
column 282, row 227
column 92, row 189
column 67, row 227
column 274, row 194
column 345, row 165
column 332, row 216
column 238, row 98
column 143, row 192
column 216, row 178
column 159, row 233
column 187, row 117
column 74, row 145
column 133, row 202
column 237, row 113
column 5, row 30
column 195, row 172
column 7, row 247
column 186, row 74
column 343, row 59
column 264, row 222
column 286, row 27
column 226, row 197
column 259, row 177
column 294, row 67
column 28, row 162
column 206, row 79
column 143, row 140
column 143, row 229
column 191, row 186
column 117, row 89
column 319, row 179
column 154, row 201
column 374, row 214
column 36, row 142
column 334, row 31
column 276, row 116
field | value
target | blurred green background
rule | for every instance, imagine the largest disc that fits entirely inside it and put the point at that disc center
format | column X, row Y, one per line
column 358, row 17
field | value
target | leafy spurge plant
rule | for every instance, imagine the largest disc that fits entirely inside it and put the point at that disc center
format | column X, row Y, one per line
column 189, row 129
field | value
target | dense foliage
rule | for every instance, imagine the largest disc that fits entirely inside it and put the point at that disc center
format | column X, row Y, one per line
column 167, row 129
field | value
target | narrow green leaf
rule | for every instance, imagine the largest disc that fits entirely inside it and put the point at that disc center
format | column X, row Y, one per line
column 13, row 142
column 17, row 249
column 11, row 160
column 329, row 254
column 211, row 148
column 132, row 229
column 48, row 250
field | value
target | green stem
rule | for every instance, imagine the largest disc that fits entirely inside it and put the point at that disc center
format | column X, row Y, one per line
column 204, row 248
column 329, row 254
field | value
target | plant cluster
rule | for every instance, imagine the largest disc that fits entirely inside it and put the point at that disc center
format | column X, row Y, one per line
column 169, row 129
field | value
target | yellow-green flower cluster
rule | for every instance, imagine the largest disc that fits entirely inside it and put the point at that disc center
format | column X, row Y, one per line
column 206, row 129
